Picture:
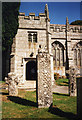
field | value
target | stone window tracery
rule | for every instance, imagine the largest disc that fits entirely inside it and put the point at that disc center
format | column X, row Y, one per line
column 32, row 37
column 77, row 53
column 75, row 56
column 79, row 58
column 58, row 53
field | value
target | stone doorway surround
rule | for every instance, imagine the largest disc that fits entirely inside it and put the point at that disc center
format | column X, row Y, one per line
column 32, row 83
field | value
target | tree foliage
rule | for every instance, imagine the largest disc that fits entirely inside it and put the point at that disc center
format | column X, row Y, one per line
column 10, row 11
column 77, row 22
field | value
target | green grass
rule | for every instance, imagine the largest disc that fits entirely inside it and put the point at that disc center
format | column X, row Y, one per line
column 2, row 81
column 62, row 82
column 24, row 106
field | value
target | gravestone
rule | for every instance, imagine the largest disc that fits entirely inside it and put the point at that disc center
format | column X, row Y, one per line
column 44, row 84
column 73, row 72
column 12, row 82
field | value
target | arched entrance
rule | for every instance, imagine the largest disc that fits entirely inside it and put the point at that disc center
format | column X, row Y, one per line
column 31, row 70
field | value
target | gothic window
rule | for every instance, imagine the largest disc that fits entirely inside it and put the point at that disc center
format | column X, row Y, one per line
column 75, row 57
column 32, row 37
column 77, row 53
column 62, row 57
column 58, row 53
column 79, row 58
column 58, row 57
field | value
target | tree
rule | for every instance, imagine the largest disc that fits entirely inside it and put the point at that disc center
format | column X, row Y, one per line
column 10, row 11
column 77, row 22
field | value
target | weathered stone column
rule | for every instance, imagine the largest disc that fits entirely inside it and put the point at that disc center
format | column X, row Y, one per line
column 44, row 82
column 72, row 81
column 73, row 72
column 12, row 82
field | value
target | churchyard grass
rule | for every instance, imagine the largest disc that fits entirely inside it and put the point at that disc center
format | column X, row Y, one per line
column 2, row 81
column 24, row 106
column 62, row 82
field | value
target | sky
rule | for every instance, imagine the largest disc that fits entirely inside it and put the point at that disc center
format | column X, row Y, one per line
column 58, row 11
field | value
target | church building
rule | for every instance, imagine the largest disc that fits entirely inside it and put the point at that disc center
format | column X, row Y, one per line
column 64, row 43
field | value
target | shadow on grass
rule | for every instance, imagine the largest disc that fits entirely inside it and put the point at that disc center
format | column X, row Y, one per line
column 61, row 94
column 22, row 101
column 66, row 82
column 56, row 111
column 3, row 93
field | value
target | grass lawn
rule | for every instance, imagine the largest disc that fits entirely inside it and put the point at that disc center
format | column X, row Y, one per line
column 62, row 82
column 24, row 106
column 2, row 81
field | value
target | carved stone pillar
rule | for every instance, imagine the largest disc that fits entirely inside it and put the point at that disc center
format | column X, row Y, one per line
column 73, row 72
column 72, row 81
column 12, row 82
column 44, row 82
